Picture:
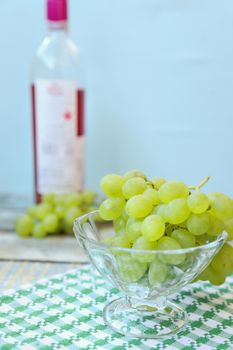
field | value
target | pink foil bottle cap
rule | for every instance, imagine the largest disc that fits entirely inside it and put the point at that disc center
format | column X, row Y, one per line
column 57, row 10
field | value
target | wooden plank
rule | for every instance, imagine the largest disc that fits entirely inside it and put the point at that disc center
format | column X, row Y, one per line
column 52, row 248
column 8, row 218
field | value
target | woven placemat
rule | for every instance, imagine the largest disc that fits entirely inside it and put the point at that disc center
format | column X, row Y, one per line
column 65, row 312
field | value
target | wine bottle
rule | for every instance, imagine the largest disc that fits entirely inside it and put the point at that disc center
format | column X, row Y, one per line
column 57, row 108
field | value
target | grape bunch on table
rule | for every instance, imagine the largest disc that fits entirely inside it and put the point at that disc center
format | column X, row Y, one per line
column 56, row 213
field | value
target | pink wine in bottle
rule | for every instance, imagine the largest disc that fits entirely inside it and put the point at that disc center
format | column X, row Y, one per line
column 57, row 109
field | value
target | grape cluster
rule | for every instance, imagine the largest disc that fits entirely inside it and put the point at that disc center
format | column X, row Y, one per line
column 56, row 213
column 165, row 215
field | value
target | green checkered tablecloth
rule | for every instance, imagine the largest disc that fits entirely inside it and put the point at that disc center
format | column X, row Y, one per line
column 65, row 312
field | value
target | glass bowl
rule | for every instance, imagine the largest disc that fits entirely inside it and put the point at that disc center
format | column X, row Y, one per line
column 143, row 310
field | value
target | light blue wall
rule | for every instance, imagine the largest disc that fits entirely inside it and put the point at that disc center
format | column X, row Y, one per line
column 159, row 76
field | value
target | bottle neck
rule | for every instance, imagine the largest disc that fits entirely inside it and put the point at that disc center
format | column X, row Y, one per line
column 58, row 26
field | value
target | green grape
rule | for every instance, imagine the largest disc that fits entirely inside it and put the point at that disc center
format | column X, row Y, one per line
column 124, row 215
column 97, row 217
column 177, row 211
column 217, row 280
column 133, row 229
column 133, row 173
column 71, row 215
column 216, row 226
column 168, row 243
column 198, row 202
column 73, row 200
column 59, row 210
column 160, row 210
column 198, row 224
column 158, row 182
column 142, row 244
column 134, row 186
column 32, row 211
column 130, row 270
column 111, row 185
column 229, row 228
column 221, row 206
column 111, row 208
column 51, row 223
column 209, row 274
column 24, row 225
column 39, row 230
column 153, row 195
column 153, row 228
column 172, row 190
column 59, row 199
column 42, row 210
column 64, row 227
column 222, row 263
column 119, row 225
column 88, row 196
column 184, row 238
column 203, row 276
column 90, row 208
column 138, row 206
column 108, row 240
column 48, row 198
column 119, row 241
column 83, row 208
column 157, row 273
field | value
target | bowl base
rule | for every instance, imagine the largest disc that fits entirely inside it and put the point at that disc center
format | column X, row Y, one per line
column 144, row 321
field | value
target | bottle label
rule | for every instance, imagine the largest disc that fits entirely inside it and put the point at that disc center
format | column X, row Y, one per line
column 59, row 136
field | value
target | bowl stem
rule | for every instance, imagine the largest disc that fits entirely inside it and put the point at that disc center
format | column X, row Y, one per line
column 144, row 320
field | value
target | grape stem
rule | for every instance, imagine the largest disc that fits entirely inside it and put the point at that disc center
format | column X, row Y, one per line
column 150, row 183
column 206, row 179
